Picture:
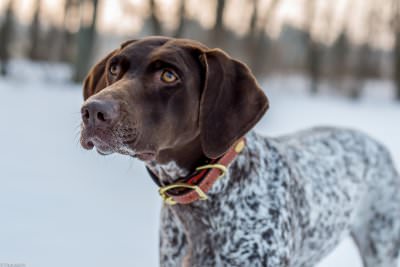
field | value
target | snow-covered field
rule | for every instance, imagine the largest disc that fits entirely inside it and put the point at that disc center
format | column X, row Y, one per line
column 61, row 206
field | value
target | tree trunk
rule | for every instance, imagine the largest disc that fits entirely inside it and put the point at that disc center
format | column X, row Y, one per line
column 218, row 31
column 67, row 38
column 259, row 42
column 314, row 62
column 155, row 23
column 5, row 36
column 86, row 39
column 34, row 51
column 179, row 30
column 313, row 48
column 397, row 63
column 396, row 28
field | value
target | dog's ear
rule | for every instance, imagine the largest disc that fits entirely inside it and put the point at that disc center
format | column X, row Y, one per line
column 96, row 79
column 232, row 102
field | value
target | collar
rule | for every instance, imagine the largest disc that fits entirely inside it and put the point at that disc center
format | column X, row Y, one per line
column 196, row 185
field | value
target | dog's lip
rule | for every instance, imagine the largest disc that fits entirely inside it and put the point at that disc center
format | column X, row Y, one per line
column 103, row 141
column 93, row 138
column 145, row 155
column 102, row 152
column 103, row 148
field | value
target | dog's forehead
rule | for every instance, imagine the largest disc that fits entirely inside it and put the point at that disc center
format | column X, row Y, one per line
column 151, row 49
column 146, row 46
column 141, row 48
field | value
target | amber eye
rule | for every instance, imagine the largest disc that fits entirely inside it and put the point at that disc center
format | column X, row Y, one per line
column 168, row 76
column 115, row 69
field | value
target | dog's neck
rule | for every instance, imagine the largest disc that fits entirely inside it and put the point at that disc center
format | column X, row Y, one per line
column 171, row 164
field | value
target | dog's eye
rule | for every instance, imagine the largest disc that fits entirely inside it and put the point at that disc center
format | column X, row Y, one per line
column 115, row 69
column 168, row 76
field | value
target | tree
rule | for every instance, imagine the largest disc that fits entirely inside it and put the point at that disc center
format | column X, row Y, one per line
column 364, row 64
column 341, row 55
column 86, row 38
column 34, row 51
column 313, row 47
column 259, row 43
column 67, row 38
column 179, row 29
column 155, row 22
column 6, row 30
column 218, row 32
column 339, row 52
column 396, row 30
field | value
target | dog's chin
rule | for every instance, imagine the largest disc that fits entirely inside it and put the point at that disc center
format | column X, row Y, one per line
column 128, row 151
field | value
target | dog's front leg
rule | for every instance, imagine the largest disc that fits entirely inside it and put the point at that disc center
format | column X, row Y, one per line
column 173, row 241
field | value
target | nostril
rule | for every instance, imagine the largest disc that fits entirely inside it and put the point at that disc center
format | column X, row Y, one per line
column 89, row 144
column 86, row 114
column 100, row 116
column 100, row 113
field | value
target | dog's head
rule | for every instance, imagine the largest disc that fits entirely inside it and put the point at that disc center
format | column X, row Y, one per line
column 159, row 93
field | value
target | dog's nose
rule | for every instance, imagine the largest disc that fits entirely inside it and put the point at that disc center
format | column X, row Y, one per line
column 100, row 113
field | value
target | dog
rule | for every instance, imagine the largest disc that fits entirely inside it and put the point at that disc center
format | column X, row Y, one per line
column 233, row 197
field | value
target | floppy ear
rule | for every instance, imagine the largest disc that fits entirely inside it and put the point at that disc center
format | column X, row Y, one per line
column 231, row 104
column 96, row 78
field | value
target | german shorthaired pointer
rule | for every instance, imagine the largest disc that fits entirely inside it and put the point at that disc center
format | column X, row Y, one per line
column 288, row 201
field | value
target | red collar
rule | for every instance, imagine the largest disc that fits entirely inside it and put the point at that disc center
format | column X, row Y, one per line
column 195, row 186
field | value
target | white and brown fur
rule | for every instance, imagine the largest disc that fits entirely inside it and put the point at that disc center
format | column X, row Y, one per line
column 289, row 201
column 285, row 202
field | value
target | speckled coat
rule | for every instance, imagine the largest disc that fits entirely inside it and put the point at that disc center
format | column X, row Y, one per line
column 288, row 202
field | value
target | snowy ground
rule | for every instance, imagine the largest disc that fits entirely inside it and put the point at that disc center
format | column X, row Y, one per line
column 61, row 206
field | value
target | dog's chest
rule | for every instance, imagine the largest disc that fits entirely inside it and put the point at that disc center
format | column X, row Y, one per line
column 247, row 215
column 271, row 206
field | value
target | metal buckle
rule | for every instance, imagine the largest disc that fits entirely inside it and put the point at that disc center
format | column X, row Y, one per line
column 170, row 201
column 203, row 196
column 220, row 167
column 239, row 146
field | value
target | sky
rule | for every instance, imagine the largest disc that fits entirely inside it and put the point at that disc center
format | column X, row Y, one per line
column 331, row 16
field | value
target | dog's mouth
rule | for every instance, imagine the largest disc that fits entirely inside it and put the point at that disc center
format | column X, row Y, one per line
column 99, row 139
column 107, row 141
column 145, row 156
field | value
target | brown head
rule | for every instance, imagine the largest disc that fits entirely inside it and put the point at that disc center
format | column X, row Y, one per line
column 168, row 99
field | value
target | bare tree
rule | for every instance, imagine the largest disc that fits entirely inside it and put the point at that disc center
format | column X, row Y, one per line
column 155, row 22
column 6, row 30
column 313, row 48
column 34, row 50
column 67, row 38
column 218, row 32
column 339, row 60
column 340, row 50
column 396, row 30
column 179, row 29
column 86, row 39
column 364, row 66
column 259, row 43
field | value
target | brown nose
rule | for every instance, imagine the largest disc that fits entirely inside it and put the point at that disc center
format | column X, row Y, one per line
column 100, row 113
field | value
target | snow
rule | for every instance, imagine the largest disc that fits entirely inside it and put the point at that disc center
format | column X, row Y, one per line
column 63, row 206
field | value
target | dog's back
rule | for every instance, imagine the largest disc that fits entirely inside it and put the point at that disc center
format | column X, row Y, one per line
column 345, row 182
column 289, row 201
